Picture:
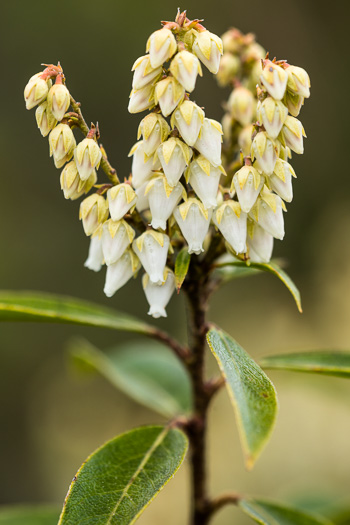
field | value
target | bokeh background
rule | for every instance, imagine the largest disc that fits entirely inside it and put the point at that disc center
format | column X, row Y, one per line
column 50, row 419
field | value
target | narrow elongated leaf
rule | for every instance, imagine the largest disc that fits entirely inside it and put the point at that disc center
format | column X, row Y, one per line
column 147, row 372
column 121, row 478
column 268, row 513
column 252, row 394
column 182, row 264
column 42, row 307
column 273, row 268
column 333, row 363
column 29, row 515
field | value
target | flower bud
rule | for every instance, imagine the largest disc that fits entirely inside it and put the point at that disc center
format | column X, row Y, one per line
column 162, row 199
column 36, row 90
column 142, row 166
column 260, row 244
column 94, row 261
column 157, row 295
column 62, row 144
column 274, row 78
column 209, row 141
column 120, row 272
column 185, row 67
column 142, row 199
column 293, row 103
column 227, row 123
column 284, row 152
column 228, row 69
column 247, row 182
column 232, row 40
column 161, row 46
column 242, row 105
column 154, row 130
column 152, row 249
column 168, row 94
column 72, row 185
column 298, row 81
column 254, row 52
column 87, row 156
column 93, row 212
column 188, row 119
column 293, row 133
column 267, row 212
column 174, row 156
column 272, row 114
column 121, row 199
column 141, row 99
column 144, row 73
column 245, row 140
column 194, row 221
column 232, row 223
column 204, row 179
column 58, row 100
column 264, row 151
column 45, row 119
column 116, row 237
column 281, row 180
column 208, row 48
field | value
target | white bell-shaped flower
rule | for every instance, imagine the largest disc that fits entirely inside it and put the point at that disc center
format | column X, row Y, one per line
column 188, row 118
column 87, row 156
column 247, row 183
column 58, row 100
column 36, row 90
column 260, row 244
column 209, row 141
column 121, row 198
column 242, row 105
column 141, row 99
column 159, row 295
column 116, row 237
column 72, row 185
column 142, row 203
column 194, row 221
column 152, row 249
column 232, row 223
column 272, row 114
column 120, row 272
column 154, row 130
column 281, row 180
column 204, row 179
column 264, row 151
column 93, row 212
column 293, row 133
column 142, row 166
column 174, row 156
column 45, row 119
column 62, row 144
column 185, row 67
column 162, row 199
column 144, row 73
column 94, row 261
column 208, row 48
column 268, row 213
column 168, row 94
column 161, row 46
column 298, row 81
column 274, row 78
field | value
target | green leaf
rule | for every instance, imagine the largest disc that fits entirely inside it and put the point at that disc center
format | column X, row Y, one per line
column 273, row 268
column 147, row 372
column 252, row 394
column 121, row 478
column 182, row 264
column 42, row 307
column 29, row 515
column 328, row 362
column 268, row 513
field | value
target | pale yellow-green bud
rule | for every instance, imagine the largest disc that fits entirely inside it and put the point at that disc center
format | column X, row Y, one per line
column 121, row 199
column 58, row 100
column 72, row 185
column 141, row 99
column 185, row 67
column 208, row 48
column 245, row 139
column 247, row 183
column 161, row 46
column 293, row 133
column 253, row 52
column 174, row 156
column 144, row 73
column 228, row 69
column 168, row 94
column 93, row 212
column 36, row 90
column 298, row 81
column 188, row 118
column 154, row 130
column 45, row 119
column 264, row 150
column 242, row 105
column 87, row 156
column 272, row 114
column 293, row 103
column 62, row 144
column 274, row 79
column 232, row 41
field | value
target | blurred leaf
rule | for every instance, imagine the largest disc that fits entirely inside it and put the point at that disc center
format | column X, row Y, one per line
column 42, row 307
column 117, row 482
column 333, row 363
column 29, row 515
column 182, row 264
column 146, row 371
column 252, row 394
column 270, row 267
column 267, row 513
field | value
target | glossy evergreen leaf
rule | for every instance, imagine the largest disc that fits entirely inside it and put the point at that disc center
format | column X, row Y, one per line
column 182, row 264
column 268, row 513
column 42, row 307
column 29, row 515
column 117, row 482
column 333, row 363
column 252, row 394
column 148, row 372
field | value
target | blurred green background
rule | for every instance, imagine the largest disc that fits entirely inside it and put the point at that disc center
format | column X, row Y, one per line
column 50, row 421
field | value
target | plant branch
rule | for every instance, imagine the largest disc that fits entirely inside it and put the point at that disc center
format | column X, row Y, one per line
column 181, row 351
column 229, row 498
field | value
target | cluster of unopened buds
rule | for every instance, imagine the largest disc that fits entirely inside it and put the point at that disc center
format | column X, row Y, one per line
column 178, row 193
